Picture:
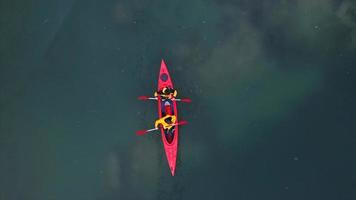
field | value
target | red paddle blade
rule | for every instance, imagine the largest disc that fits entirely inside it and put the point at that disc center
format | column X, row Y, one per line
column 186, row 100
column 141, row 132
column 182, row 123
column 142, row 98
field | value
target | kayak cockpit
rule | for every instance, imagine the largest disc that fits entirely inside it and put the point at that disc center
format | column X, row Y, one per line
column 167, row 108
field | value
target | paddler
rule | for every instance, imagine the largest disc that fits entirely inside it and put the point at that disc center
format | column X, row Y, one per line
column 167, row 93
column 167, row 122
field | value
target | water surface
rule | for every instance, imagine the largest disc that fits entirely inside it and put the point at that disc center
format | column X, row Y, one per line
column 272, row 83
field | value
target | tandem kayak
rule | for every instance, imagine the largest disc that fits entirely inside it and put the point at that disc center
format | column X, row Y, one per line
column 167, row 108
column 169, row 137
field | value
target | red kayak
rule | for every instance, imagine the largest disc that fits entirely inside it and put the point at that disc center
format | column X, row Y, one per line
column 169, row 137
column 167, row 107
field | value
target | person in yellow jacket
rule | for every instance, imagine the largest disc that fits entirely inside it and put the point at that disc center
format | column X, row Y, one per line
column 167, row 93
column 167, row 122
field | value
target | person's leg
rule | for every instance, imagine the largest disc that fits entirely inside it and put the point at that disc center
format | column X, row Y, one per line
column 163, row 110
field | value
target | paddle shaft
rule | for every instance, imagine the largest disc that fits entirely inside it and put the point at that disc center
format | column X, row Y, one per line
column 173, row 99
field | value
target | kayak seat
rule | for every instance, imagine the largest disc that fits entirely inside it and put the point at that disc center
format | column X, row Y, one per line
column 167, row 107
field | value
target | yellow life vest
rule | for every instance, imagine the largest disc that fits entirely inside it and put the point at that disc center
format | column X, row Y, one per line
column 168, row 96
column 163, row 122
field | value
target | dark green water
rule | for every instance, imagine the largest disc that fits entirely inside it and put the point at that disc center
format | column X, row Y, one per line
column 272, row 84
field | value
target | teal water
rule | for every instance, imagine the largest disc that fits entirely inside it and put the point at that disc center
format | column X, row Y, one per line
column 272, row 85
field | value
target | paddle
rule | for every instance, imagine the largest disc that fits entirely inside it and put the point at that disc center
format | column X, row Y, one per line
column 141, row 132
column 186, row 100
column 146, row 98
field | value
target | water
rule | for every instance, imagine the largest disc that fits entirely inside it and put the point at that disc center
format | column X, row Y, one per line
column 273, row 107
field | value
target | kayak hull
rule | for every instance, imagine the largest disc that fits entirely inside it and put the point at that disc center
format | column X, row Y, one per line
column 170, row 147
